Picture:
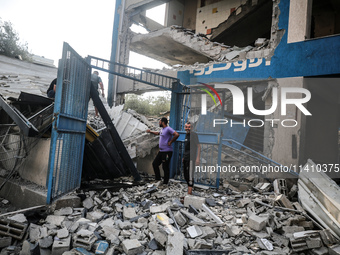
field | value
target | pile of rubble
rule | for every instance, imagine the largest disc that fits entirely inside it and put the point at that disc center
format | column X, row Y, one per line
column 218, row 51
column 154, row 219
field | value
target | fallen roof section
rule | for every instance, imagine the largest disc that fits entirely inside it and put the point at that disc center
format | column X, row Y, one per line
column 169, row 46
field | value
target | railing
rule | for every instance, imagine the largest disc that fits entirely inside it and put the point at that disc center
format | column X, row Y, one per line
column 251, row 155
column 133, row 73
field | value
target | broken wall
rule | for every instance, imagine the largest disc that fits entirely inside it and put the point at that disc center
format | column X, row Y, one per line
column 35, row 167
column 211, row 15
column 174, row 13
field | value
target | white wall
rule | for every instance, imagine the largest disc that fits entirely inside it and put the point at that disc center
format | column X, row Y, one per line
column 212, row 15
column 174, row 13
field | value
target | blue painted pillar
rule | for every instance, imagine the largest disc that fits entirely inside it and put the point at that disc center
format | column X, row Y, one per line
column 175, row 121
column 115, row 40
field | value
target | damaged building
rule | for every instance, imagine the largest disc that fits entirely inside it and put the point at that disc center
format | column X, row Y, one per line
column 278, row 58
column 249, row 44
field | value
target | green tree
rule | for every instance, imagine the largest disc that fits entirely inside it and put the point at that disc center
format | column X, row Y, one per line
column 147, row 105
column 9, row 42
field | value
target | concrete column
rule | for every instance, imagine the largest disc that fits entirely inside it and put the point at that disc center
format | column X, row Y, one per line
column 175, row 119
column 300, row 14
column 278, row 143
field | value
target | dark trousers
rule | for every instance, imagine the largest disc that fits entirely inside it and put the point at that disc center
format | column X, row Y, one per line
column 163, row 158
column 188, row 171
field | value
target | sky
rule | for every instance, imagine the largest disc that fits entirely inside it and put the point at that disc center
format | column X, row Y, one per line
column 86, row 25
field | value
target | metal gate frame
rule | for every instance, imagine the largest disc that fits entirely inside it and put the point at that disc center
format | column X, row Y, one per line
column 69, row 124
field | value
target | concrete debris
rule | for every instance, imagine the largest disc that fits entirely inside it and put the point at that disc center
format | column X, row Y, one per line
column 248, row 223
column 131, row 127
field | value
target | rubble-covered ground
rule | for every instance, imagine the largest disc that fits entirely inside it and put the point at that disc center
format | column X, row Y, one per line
column 151, row 218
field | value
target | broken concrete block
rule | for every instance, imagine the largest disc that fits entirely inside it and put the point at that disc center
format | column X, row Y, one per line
column 63, row 211
column 113, row 239
column 129, row 212
column 177, row 203
column 34, row 232
column 305, row 240
column 262, row 187
column 290, row 230
column 320, row 251
column 153, row 226
column 88, row 203
column 62, row 233
column 243, row 202
column 138, row 225
column 256, row 223
column 280, row 240
column 95, row 216
column 26, row 248
column 46, row 242
column 283, row 201
column 208, row 232
column 60, row 246
column 260, row 42
column 125, row 225
column 5, row 241
column 232, row 230
column 191, row 243
column 293, row 191
column 160, row 237
column 314, row 242
column 212, row 215
column 73, row 228
column 132, row 247
column 194, row 201
column 203, row 244
column 194, row 231
column 160, row 208
column 55, row 220
column 18, row 218
column 109, row 222
column 68, row 201
column 334, row 250
column 180, row 219
column 308, row 225
column 97, row 200
column 83, row 221
column 175, row 244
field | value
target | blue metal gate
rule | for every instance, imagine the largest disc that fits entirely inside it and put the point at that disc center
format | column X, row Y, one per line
column 69, row 124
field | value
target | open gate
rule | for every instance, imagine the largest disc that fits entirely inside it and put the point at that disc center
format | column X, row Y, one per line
column 69, row 124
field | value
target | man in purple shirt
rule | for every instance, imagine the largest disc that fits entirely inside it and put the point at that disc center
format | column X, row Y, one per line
column 167, row 137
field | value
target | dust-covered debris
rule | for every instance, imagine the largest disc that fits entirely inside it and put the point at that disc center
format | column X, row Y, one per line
column 154, row 219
